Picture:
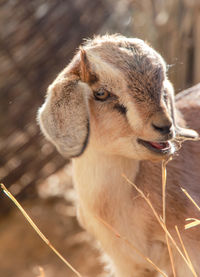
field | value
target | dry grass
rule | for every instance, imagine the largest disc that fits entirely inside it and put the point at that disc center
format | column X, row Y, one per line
column 164, row 181
column 183, row 246
column 116, row 233
column 37, row 230
column 161, row 220
column 195, row 222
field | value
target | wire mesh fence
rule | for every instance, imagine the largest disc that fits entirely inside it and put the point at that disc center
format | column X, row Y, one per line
column 37, row 39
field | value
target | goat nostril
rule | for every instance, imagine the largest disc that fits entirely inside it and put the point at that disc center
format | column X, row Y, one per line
column 163, row 129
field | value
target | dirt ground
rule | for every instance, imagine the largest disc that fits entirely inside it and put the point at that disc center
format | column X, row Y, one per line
column 22, row 252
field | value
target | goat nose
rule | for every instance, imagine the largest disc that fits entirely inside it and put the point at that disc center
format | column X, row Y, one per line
column 164, row 130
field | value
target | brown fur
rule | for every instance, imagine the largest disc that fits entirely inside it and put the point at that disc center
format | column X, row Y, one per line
column 103, row 136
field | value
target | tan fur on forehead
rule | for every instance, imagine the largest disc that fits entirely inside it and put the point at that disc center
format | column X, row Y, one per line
column 142, row 67
column 132, row 46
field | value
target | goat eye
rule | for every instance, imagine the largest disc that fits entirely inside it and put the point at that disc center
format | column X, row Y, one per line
column 101, row 94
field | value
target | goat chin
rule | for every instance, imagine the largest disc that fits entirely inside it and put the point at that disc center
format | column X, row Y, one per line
column 112, row 110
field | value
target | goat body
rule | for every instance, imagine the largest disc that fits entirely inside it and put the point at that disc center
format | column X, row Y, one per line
column 113, row 111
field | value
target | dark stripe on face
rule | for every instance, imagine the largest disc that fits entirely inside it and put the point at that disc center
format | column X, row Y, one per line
column 120, row 108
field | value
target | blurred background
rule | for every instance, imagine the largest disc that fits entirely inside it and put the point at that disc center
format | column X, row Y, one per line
column 37, row 40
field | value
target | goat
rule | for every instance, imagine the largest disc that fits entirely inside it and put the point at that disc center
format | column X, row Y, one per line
column 112, row 110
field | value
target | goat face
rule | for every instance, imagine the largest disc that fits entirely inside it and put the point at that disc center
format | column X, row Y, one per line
column 117, row 88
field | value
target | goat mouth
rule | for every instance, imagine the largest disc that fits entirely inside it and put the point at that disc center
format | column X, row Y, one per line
column 160, row 147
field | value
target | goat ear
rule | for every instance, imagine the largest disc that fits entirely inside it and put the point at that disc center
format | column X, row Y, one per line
column 64, row 117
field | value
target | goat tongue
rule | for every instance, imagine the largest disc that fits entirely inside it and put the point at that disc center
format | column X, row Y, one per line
column 159, row 145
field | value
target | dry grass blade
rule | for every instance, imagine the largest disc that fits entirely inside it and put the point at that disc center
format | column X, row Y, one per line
column 160, row 221
column 191, row 199
column 116, row 233
column 170, row 255
column 184, row 249
column 37, row 230
column 195, row 222
column 164, row 180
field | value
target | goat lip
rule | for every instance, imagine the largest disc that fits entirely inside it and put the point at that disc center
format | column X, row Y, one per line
column 160, row 147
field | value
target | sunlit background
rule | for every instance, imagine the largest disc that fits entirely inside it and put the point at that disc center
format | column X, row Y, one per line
column 37, row 40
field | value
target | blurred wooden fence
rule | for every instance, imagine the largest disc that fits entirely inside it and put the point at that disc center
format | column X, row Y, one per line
column 173, row 28
column 37, row 39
